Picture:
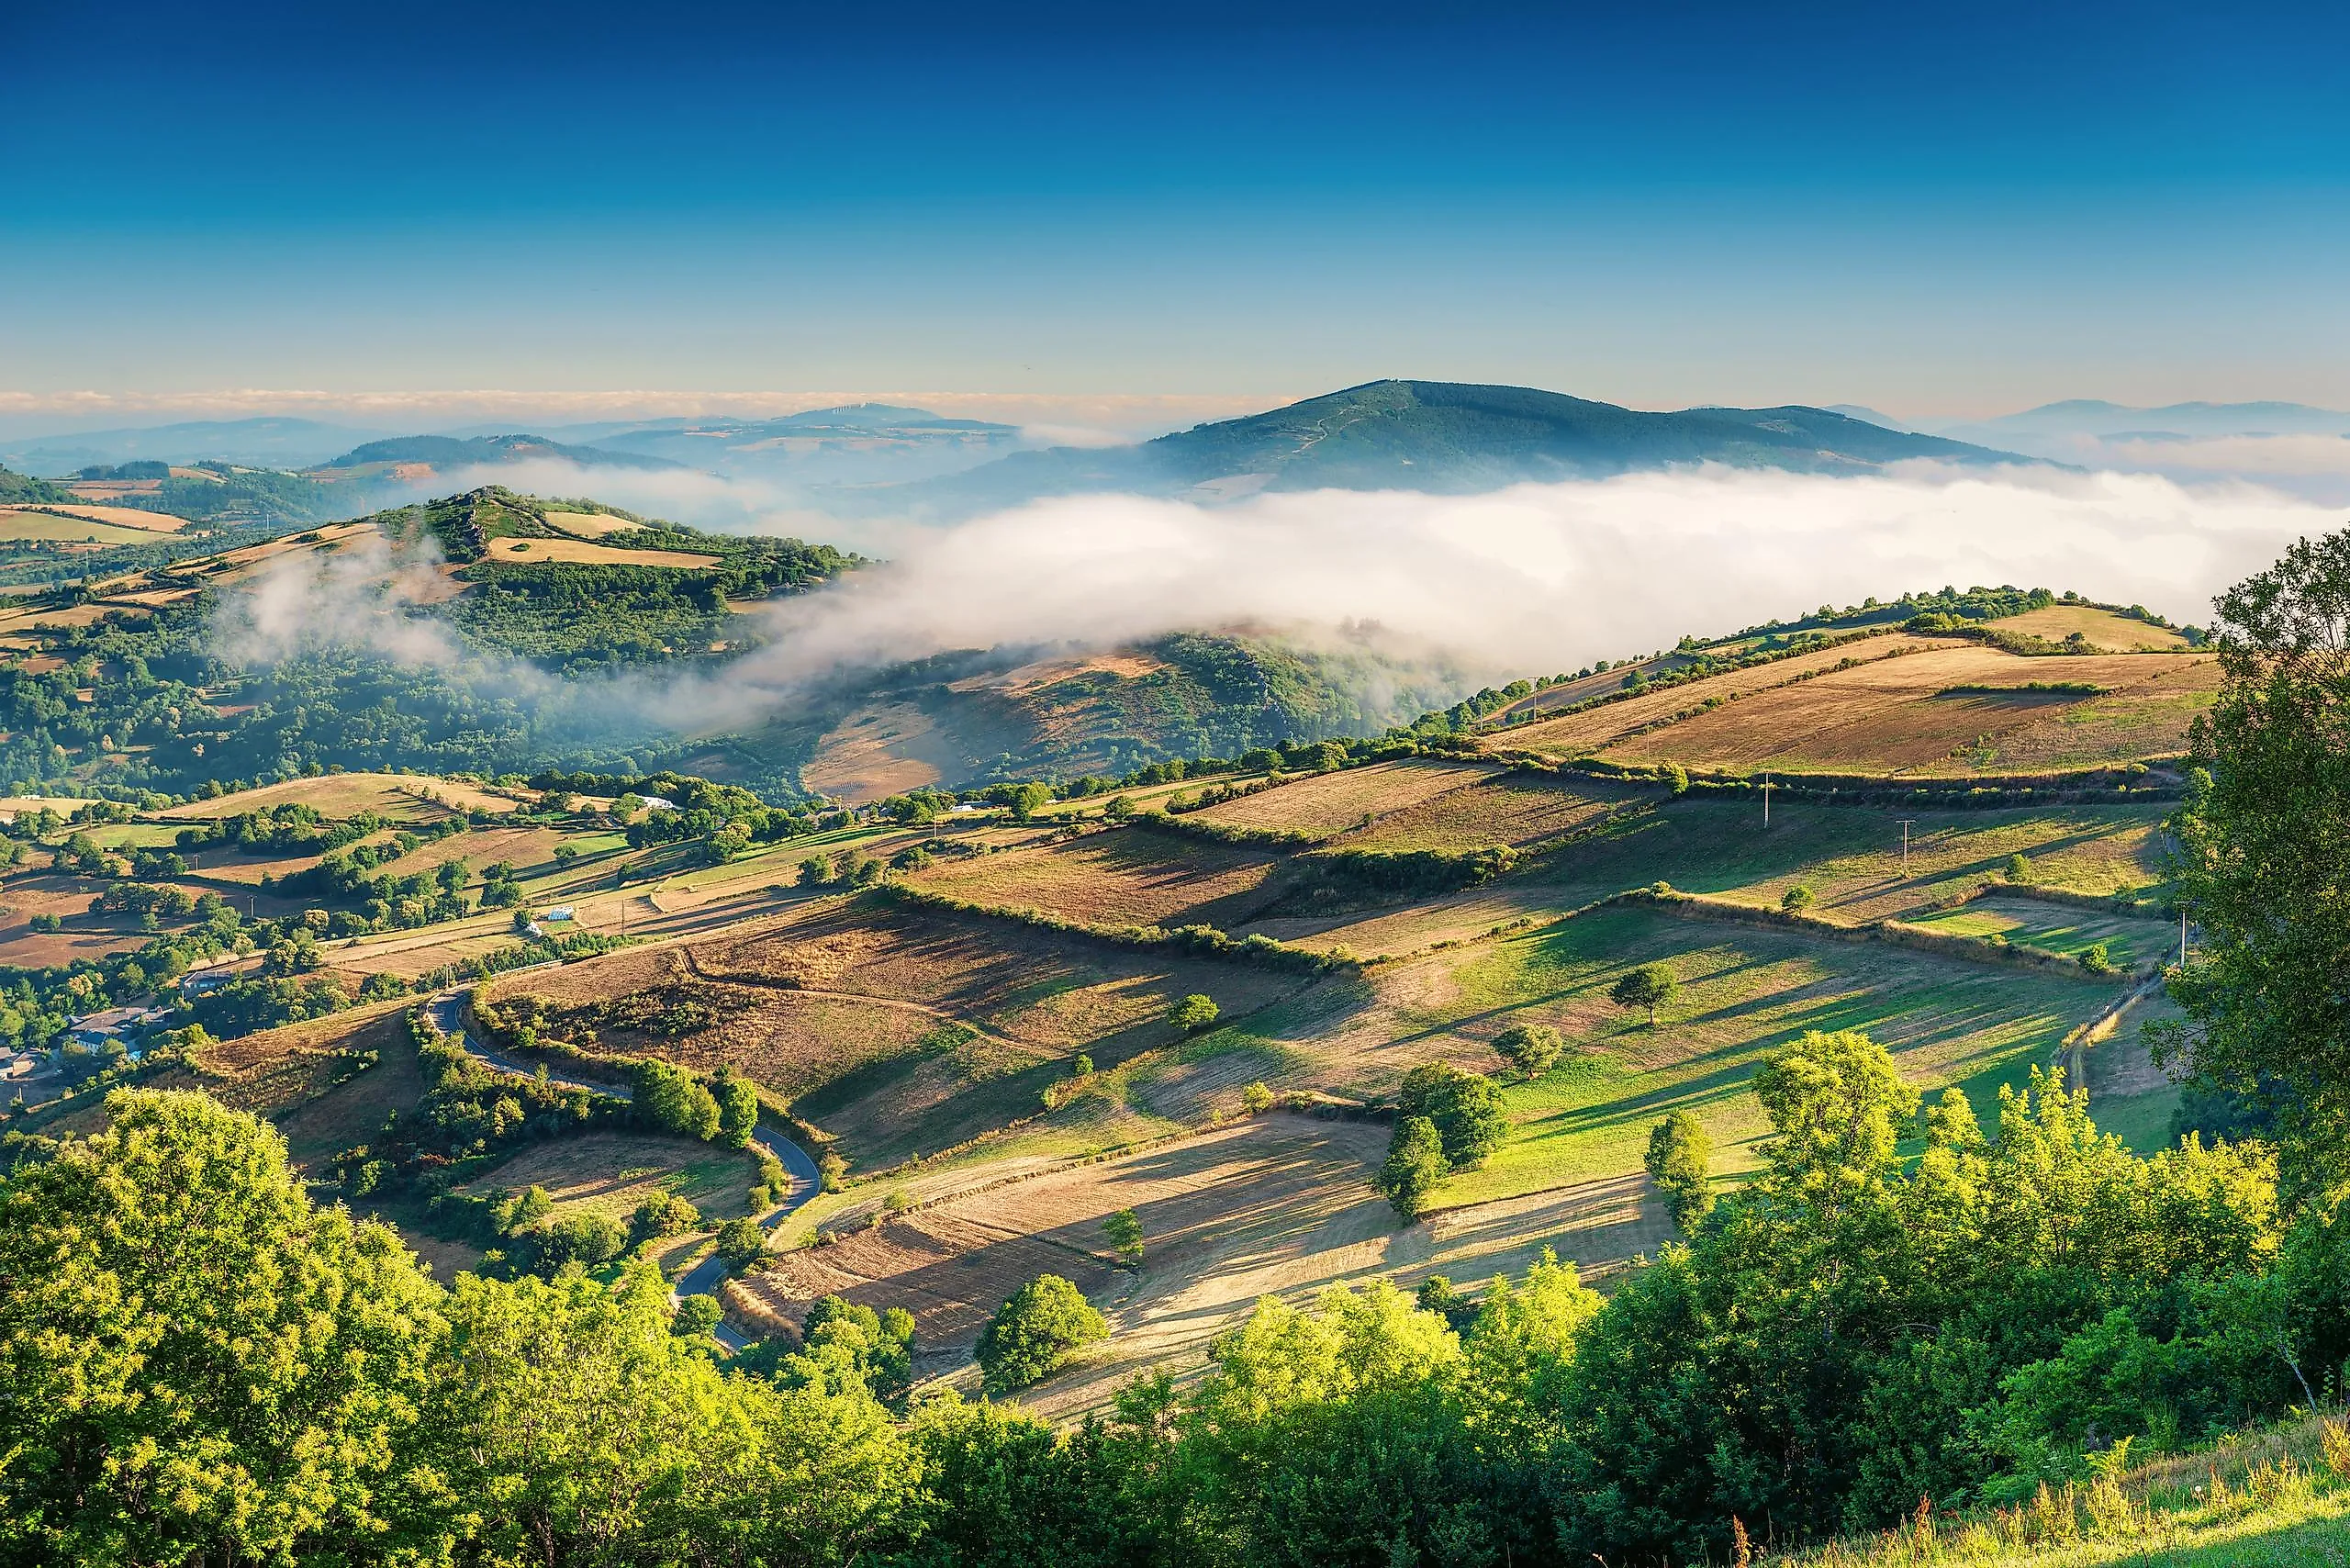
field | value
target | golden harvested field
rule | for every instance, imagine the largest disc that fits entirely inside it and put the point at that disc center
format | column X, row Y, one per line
column 231, row 866
column 63, row 805
column 86, row 525
column 26, row 896
column 525, row 847
column 399, row 796
column 1892, row 716
column 878, row 751
column 894, row 1030
column 1113, row 878
column 287, row 1074
column 589, row 524
column 1580, row 735
column 1334, row 803
column 2104, row 629
column 530, row 552
column 68, row 618
column 227, row 566
column 1272, row 1205
column 1515, row 811
column 1276, row 1179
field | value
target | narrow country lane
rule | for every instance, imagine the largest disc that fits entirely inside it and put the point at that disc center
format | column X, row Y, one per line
column 447, row 1013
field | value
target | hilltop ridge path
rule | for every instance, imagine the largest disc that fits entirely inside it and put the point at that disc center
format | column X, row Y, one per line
column 447, row 1013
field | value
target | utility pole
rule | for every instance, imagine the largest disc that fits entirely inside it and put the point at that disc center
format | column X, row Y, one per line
column 1904, row 844
column 1767, row 788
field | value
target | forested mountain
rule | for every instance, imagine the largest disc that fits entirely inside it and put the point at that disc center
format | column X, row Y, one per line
column 1444, row 436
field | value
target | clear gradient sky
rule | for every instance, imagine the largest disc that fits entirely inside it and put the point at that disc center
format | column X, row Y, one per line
column 1937, row 210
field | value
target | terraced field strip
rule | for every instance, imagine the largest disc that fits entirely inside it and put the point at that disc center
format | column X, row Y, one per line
column 1329, row 803
column 1584, row 733
column 1899, row 716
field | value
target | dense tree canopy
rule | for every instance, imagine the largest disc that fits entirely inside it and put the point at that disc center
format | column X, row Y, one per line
column 2263, row 851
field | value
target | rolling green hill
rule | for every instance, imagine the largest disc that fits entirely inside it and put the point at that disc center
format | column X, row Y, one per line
column 18, row 489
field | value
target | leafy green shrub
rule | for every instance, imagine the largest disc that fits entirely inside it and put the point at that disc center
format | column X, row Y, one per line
column 1415, row 1165
column 1532, row 1049
column 1647, row 987
column 1035, row 1331
column 1463, row 1106
column 741, row 1242
column 1194, row 1012
column 1679, row 1161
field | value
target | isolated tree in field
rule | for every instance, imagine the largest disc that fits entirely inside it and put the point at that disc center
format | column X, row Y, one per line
column 1798, row 899
column 1647, row 989
column 2020, row 868
column 664, row 1214
column 1124, row 1231
column 1679, row 1161
column 815, row 871
column 1257, row 1098
column 1464, row 1108
column 1532, row 1049
column 741, row 1242
column 1415, row 1165
column 1025, row 803
column 1035, row 1331
column 1194, row 1012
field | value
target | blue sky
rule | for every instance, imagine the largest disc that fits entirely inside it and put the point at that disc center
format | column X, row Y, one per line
column 1941, row 211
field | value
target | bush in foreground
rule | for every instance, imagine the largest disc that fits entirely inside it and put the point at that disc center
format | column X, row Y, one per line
column 1035, row 1331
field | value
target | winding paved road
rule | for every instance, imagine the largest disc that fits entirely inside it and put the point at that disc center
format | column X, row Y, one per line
column 447, row 1013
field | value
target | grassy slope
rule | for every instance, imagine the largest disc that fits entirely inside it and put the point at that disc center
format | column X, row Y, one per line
column 2269, row 1501
column 1746, row 990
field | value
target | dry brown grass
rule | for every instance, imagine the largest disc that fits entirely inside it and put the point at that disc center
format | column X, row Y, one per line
column 1891, row 716
column 589, row 524
column 532, row 552
column 1579, row 734
column 1268, row 1180
column 1516, row 811
column 878, row 751
column 524, row 847
column 1333, row 803
column 393, row 795
column 848, row 1012
column 1112, row 879
column 2105, row 630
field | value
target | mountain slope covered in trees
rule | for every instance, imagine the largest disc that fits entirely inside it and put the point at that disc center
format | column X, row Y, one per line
column 1443, row 436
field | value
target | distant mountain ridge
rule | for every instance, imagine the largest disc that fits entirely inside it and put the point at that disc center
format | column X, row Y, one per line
column 1445, row 437
column 266, row 442
column 444, row 452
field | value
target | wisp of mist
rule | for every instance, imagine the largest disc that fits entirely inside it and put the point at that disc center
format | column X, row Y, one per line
column 1522, row 581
